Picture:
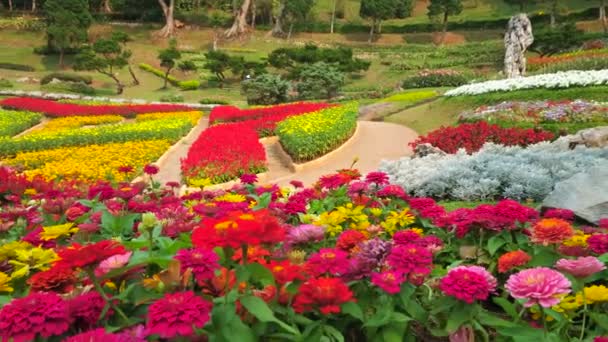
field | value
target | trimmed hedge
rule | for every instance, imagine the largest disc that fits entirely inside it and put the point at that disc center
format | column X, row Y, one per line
column 66, row 77
column 309, row 136
column 183, row 85
column 18, row 67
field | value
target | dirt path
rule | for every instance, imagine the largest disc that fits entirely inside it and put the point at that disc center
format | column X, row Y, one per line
column 169, row 164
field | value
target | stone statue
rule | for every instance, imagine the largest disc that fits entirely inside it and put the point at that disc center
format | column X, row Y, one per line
column 517, row 39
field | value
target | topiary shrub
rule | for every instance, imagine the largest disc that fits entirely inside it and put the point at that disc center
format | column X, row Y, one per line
column 319, row 81
column 186, row 66
column 265, row 89
column 172, row 98
column 66, row 77
column 18, row 67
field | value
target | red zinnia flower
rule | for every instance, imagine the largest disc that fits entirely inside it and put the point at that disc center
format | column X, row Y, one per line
column 125, row 169
column 151, row 169
column 328, row 260
column 202, row 262
column 38, row 314
column 551, row 231
column 510, row 260
column 284, row 271
column 350, row 239
column 56, row 279
column 177, row 314
column 325, row 294
column 88, row 255
column 86, row 309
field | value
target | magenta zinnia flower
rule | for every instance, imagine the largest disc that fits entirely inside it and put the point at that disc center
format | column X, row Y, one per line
column 377, row 177
column 86, row 309
column 412, row 260
column 151, row 169
column 100, row 335
column 328, row 260
column 38, row 314
column 468, row 283
column 177, row 314
column 540, row 285
column 248, row 178
column 389, row 281
column 598, row 243
column 202, row 262
column 581, row 267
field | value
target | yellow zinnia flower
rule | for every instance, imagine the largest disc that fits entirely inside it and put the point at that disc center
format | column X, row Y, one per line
column 200, row 182
column 57, row 231
column 8, row 250
column 36, row 258
column 4, row 283
column 595, row 294
column 233, row 198
column 396, row 220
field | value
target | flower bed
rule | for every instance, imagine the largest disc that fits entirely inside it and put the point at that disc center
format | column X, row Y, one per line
column 78, row 121
column 12, row 123
column 277, row 113
column 306, row 137
column 58, row 109
column 351, row 260
column 222, row 153
column 494, row 171
column 566, row 79
column 435, row 78
column 472, row 136
column 568, row 61
column 91, row 162
column 411, row 96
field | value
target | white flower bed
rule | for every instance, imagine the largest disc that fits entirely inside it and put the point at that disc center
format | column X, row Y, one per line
column 563, row 79
column 495, row 171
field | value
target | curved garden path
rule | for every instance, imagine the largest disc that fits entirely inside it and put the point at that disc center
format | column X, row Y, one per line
column 371, row 143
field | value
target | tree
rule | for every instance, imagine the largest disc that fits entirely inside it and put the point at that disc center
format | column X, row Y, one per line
column 378, row 10
column 219, row 63
column 444, row 8
column 239, row 25
column 265, row 89
column 123, row 38
column 168, row 59
column 602, row 16
column 548, row 42
column 106, row 56
column 291, row 11
column 521, row 3
column 68, row 22
column 168, row 12
column 106, row 6
column 319, row 80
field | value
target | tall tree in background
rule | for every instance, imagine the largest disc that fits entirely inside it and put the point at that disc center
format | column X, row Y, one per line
column 444, row 9
column 239, row 25
column 602, row 17
column 168, row 12
column 376, row 11
column 290, row 11
column 68, row 22
column 106, row 7
column 521, row 3
column 106, row 56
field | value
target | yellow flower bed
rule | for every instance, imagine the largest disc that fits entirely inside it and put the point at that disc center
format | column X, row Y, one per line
column 193, row 116
column 78, row 121
column 90, row 162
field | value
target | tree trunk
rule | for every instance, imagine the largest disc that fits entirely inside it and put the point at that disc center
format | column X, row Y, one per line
column 253, row 14
column 445, row 28
column 239, row 26
column 133, row 76
column 33, row 5
column 603, row 15
column 379, row 26
column 61, row 53
column 522, row 7
column 166, row 78
column 119, row 86
column 553, row 13
column 106, row 7
column 277, row 29
column 168, row 9
column 10, row 5
column 333, row 17
column 290, row 31
column 371, row 32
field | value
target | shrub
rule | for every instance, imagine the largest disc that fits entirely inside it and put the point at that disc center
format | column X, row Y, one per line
column 18, row 67
column 66, row 77
column 493, row 172
column 319, row 81
column 172, row 98
column 472, row 136
column 553, row 40
column 265, row 89
column 183, row 85
column 4, row 83
column 312, row 135
column 69, row 87
column 412, row 96
column 222, row 153
column 187, row 65
column 213, row 101
column 435, row 78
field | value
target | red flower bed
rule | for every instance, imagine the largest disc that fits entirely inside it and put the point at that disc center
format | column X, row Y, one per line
column 224, row 152
column 472, row 136
column 278, row 113
column 58, row 109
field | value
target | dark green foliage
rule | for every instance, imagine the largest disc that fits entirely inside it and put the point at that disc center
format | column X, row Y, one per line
column 4, row 83
column 444, row 7
column 549, row 41
column 68, row 22
column 70, row 87
column 265, row 89
column 18, row 67
column 220, row 63
column 319, row 81
column 436, row 78
column 292, row 59
column 105, row 56
column 168, row 58
column 186, row 66
column 66, row 77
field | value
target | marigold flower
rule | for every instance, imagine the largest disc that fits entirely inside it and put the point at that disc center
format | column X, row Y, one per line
column 325, row 294
column 177, row 314
column 468, row 283
column 551, row 231
column 582, row 267
column 38, row 314
column 539, row 285
column 389, row 281
column 328, row 260
column 511, row 260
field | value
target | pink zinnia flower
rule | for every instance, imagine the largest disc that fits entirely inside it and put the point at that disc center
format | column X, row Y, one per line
column 248, row 178
column 177, row 314
column 113, row 262
column 39, row 314
column 601, row 339
column 540, row 285
column 412, row 260
column 564, row 214
column 328, row 260
column 468, row 283
column 85, row 309
column 389, row 281
column 304, row 234
column 598, row 243
column 582, row 267
column 379, row 178
column 202, row 262
column 100, row 335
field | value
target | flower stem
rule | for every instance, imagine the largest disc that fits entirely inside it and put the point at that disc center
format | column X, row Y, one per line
column 244, row 249
column 584, row 315
column 105, row 297
column 544, row 319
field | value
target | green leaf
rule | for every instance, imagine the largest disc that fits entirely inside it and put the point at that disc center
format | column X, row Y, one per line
column 394, row 332
column 258, row 308
column 333, row 333
column 460, row 314
column 494, row 243
column 411, row 305
column 522, row 333
column 380, row 318
column 600, row 319
column 507, row 306
column 486, row 318
column 353, row 309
